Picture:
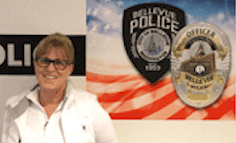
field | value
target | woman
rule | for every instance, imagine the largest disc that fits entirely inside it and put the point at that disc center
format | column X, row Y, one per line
column 55, row 111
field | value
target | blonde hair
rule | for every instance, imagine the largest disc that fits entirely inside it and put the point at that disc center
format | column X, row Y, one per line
column 56, row 40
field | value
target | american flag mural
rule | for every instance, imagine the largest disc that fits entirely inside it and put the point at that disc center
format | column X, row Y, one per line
column 122, row 91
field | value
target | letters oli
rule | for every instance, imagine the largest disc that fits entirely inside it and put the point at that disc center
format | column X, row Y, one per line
column 10, row 56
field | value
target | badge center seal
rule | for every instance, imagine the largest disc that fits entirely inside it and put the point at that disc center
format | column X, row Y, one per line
column 153, row 45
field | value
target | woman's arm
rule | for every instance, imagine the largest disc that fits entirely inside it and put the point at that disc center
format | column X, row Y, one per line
column 10, row 132
column 102, row 124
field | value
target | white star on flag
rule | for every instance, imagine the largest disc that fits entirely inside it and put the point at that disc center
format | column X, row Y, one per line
column 94, row 28
column 88, row 11
column 95, row 13
column 120, row 3
column 107, row 27
column 107, row 12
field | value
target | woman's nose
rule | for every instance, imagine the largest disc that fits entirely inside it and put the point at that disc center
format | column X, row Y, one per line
column 51, row 67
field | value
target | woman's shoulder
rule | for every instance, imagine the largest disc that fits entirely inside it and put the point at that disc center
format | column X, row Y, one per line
column 83, row 94
column 83, row 98
column 15, row 99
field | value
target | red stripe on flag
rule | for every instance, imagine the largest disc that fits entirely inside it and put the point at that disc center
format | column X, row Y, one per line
column 217, row 113
column 183, row 113
column 93, row 77
column 146, row 110
column 132, row 93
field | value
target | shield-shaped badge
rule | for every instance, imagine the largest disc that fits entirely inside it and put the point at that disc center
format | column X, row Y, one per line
column 148, row 30
column 200, row 64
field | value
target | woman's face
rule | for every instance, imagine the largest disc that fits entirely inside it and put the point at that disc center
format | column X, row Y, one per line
column 49, row 77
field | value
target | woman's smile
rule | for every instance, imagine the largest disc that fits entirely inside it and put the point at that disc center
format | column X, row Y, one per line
column 50, row 77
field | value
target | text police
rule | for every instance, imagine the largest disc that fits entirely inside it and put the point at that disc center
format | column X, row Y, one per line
column 154, row 17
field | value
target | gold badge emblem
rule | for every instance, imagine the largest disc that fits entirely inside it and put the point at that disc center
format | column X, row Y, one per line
column 200, row 64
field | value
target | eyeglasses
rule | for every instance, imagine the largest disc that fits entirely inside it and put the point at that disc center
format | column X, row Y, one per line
column 58, row 64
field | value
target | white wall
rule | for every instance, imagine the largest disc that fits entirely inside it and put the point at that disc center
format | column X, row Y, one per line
column 69, row 17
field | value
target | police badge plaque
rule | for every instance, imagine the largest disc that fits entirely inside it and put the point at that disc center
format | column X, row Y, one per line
column 148, row 30
column 200, row 64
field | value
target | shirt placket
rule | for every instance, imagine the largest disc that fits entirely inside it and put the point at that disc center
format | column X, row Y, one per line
column 48, row 122
column 45, row 127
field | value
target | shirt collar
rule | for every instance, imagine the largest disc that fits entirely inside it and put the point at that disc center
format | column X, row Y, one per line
column 32, row 95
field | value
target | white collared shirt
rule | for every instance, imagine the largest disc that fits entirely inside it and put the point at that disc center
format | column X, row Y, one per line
column 78, row 119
